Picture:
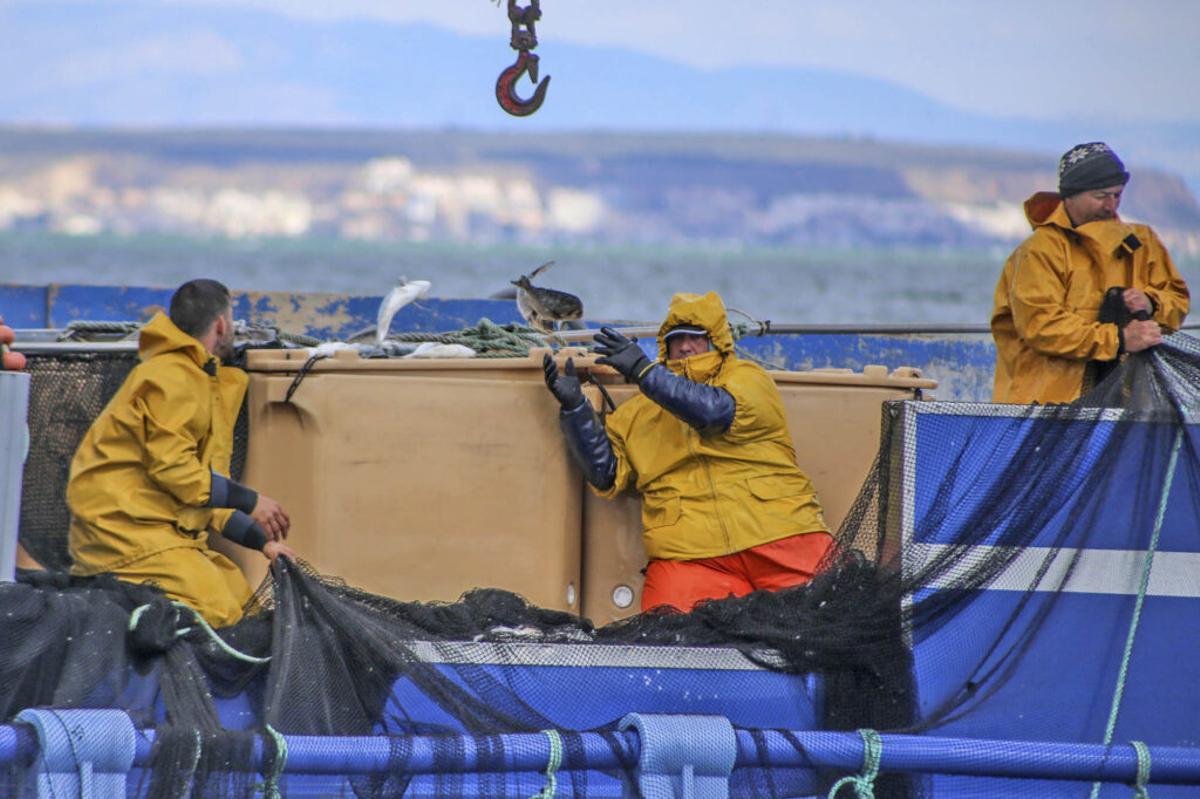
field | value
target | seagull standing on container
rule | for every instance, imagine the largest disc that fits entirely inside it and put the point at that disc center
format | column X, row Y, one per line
column 544, row 308
column 402, row 294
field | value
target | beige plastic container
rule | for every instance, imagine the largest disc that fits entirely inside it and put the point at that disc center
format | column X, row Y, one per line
column 418, row 479
column 834, row 418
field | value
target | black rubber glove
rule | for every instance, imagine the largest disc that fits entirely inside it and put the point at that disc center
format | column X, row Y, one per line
column 564, row 387
column 621, row 354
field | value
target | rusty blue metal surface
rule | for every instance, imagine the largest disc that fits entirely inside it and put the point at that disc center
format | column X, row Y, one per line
column 325, row 316
column 23, row 306
column 961, row 363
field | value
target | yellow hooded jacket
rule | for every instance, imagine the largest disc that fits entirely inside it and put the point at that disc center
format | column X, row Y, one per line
column 710, row 495
column 1047, row 305
column 140, row 480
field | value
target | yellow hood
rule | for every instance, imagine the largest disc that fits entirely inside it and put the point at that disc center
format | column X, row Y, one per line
column 701, row 310
column 160, row 335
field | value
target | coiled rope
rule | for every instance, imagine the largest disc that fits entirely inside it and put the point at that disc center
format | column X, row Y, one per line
column 137, row 612
column 864, row 781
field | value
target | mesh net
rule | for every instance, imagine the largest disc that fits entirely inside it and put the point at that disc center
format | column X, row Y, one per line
column 985, row 584
column 67, row 392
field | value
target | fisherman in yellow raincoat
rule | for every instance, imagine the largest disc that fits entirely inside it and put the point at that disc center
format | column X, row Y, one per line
column 1047, row 321
column 725, row 508
column 150, row 480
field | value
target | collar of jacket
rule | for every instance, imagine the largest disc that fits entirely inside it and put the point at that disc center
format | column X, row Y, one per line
column 699, row 368
column 1046, row 209
column 160, row 336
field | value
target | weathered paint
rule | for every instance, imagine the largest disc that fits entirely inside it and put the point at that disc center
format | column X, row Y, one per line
column 323, row 315
column 72, row 303
column 24, row 306
column 961, row 363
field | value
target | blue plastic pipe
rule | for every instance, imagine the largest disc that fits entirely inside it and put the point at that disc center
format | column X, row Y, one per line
column 841, row 751
column 977, row 757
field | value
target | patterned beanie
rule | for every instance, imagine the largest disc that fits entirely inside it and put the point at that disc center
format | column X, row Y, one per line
column 1089, row 166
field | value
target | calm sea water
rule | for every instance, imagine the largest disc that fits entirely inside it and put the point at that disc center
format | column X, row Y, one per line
column 630, row 283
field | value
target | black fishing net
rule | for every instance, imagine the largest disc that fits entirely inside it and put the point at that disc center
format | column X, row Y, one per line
column 987, row 585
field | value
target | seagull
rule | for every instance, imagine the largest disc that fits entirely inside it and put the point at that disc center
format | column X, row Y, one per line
column 402, row 294
column 545, row 308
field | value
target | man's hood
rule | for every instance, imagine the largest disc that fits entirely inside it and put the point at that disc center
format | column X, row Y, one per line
column 160, row 335
column 1046, row 208
column 706, row 311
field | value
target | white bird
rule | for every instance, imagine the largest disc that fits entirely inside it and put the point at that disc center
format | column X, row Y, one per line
column 402, row 294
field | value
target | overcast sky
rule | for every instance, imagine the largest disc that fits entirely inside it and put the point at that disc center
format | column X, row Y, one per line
column 1038, row 58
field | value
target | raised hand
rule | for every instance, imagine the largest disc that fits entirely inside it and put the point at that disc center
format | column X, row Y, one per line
column 565, row 387
column 621, row 353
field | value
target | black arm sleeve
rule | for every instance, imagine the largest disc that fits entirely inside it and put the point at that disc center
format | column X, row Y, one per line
column 241, row 529
column 589, row 445
column 226, row 493
column 707, row 408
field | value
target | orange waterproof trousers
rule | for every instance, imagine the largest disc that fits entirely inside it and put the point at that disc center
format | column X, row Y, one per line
column 779, row 564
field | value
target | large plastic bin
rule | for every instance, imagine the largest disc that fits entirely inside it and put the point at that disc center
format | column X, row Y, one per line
column 834, row 416
column 417, row 479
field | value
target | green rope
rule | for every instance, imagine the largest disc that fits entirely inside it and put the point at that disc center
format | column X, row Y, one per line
column 191, row 772
column 270, row 789
column 226, row 648
column 864, row 781
column 136, row 614
column 297, row 338
column 1147, row 565
column 556, row 752
column 1140, row 791
column 488, row 339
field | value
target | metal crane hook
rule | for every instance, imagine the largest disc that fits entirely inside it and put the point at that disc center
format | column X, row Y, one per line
column 506, row 88
column 524, row 38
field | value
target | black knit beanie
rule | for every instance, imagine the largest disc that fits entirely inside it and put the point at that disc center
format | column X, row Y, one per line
column 1089, row 166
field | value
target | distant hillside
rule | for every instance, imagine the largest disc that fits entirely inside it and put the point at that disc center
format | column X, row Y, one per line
column 602, row 187
column 178, row 65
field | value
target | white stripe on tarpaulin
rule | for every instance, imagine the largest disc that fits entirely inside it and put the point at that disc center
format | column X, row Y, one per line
column 607, row 655
column 1097, row 571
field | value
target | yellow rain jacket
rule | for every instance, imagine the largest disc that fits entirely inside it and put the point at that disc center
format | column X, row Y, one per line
column 710, row 495
column 1047, row 304
column 140, row 480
